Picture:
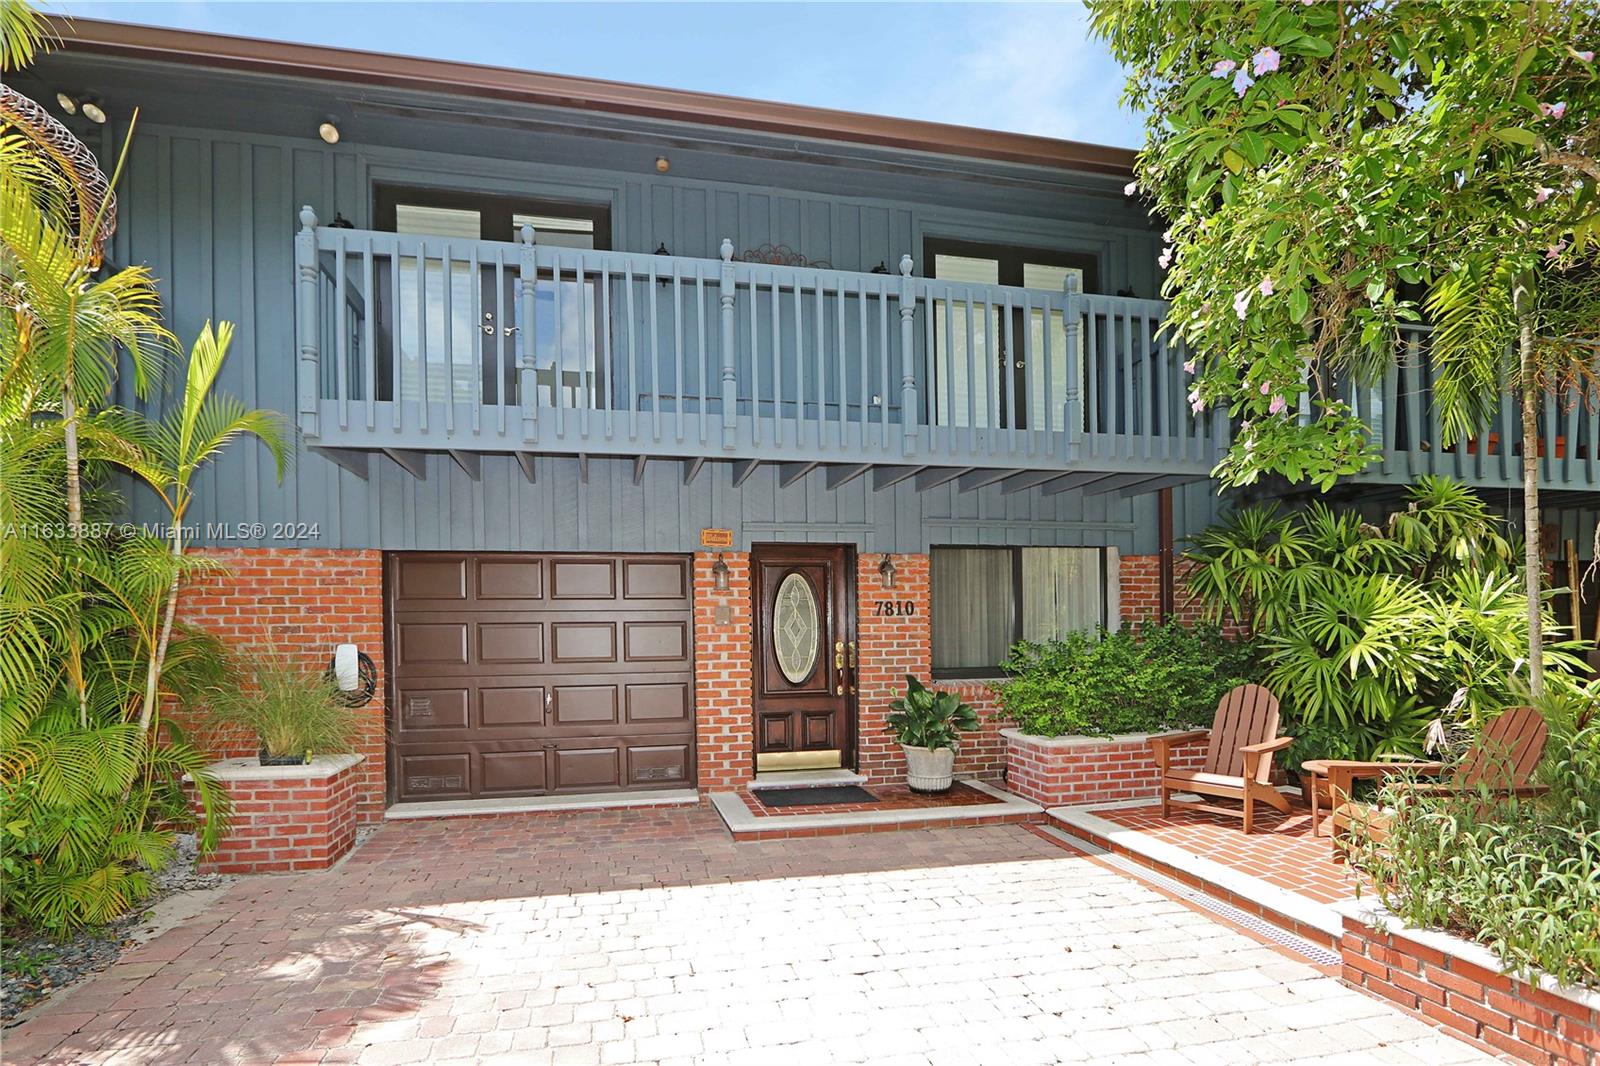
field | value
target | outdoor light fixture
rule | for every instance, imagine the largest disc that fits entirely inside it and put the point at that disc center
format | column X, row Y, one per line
column 662, row 164
column 68, row 103
column 719, row 574
column 328, row 132
column 93, row 112
column 886, row 571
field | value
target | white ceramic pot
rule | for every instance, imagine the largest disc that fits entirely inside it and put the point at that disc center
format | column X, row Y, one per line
column 929, row 769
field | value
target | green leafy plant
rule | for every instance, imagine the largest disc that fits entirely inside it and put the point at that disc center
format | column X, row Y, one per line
column 1138, row 680
column 1366, row 631
column 292, row 710
column 930, row 718
column 1521, row 876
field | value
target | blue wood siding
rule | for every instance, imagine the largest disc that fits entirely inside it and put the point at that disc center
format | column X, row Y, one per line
column 213, row 214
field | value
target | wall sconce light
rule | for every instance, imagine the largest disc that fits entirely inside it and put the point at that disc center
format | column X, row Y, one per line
column 719, row 574
column 886, row 571
column 661, row 248
column 340, row 222
column 93, row 111
column 68, row 103
column 662, row 164
column 328, row 131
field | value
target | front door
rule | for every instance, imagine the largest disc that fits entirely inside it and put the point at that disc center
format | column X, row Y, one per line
column 805, row 656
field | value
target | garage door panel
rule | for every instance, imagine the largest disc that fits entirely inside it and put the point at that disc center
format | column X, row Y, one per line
column 510, row 642
column 511, row 705
column 514, row 772
column 655, row 579
column 510, row 579
column 545, row 673
column 583, row 642
column 433, row 709
column 435, row 776
column 432, row 644
column 653, row 641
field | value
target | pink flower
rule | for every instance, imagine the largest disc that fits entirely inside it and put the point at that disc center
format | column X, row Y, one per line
column 1222, row 68
column 1277, row 406
column 1555, row 250
column 1196, row 404
column 1266, row 387
column 1555, row 110
column 1266, row 61
column 1265, row 286
column 1242, row 81
column 1165, row 258
column 1188, row 367
column 1131, row 189
column 1543, row 193
column 1585, row 56
column 1241, row 303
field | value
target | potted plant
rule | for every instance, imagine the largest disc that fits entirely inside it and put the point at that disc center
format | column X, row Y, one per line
column 926, row 722
column 294, row 712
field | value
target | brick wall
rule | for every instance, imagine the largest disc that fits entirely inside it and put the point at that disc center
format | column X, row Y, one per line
column 301, row 602
column 1141, row 590
column 724, row 712
column 1510, row 1015
column 894, row 638
column 296, row 819
column 1063, row 772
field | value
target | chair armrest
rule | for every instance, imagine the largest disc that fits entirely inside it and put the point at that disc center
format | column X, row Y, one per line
column 1162, row 746
column 1254, row 753
column 1343, row 773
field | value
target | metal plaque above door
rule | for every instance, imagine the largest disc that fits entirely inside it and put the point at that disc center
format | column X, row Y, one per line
column 805, row 656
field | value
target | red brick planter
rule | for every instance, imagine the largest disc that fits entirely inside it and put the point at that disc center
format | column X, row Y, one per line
column 1067, row 771
column 287, row 818
column 1458, row 984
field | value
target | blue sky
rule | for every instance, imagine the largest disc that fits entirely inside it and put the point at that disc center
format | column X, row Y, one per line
column 1031, row 68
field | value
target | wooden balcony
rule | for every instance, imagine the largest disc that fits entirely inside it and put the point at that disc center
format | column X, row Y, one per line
column 414, row 344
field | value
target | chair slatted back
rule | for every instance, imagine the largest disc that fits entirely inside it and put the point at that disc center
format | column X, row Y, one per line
column 1246, row 715
column 1507, row 751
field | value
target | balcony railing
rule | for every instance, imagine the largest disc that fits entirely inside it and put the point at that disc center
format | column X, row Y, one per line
column 432, row 343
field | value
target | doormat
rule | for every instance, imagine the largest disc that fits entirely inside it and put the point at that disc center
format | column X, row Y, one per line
column 813, row 796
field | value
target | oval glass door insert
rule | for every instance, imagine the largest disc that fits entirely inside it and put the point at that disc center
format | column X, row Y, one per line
column 795, row 627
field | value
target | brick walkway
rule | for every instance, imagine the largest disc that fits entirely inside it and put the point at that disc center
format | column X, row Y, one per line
column 644, row 935
column 1281, row 851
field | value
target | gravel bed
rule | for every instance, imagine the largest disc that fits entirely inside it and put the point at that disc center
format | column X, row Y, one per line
column 33, row 965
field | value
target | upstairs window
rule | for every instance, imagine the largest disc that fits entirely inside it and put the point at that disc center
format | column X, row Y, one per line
column 986, row 599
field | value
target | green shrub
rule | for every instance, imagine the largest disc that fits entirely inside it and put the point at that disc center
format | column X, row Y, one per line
column 1521, row 876
column 1367, row 631
column 1142, row 680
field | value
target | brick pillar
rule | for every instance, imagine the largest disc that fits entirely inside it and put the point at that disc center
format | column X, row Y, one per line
column 724, row 714
column 894, row 638
column 300, row 602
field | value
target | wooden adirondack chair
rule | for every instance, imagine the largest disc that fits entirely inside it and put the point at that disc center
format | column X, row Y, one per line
column 1502, row 760
column 1238, row 758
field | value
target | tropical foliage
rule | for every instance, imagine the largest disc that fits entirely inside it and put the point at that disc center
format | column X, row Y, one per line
column 90, row 657
column 1521, row 876
column 1367, row 631
column 1332, row 170
column 930, row 718
column 1143, row 680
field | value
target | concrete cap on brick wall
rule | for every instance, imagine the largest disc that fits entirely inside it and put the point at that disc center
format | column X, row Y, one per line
column 1084, row 742
column 320, row 768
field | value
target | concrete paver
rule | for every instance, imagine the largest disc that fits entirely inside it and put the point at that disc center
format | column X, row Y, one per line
column 651, row 936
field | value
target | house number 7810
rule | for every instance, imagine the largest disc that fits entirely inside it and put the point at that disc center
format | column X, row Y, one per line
column 895, row 608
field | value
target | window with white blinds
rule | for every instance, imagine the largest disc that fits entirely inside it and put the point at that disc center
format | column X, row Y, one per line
column 986, row 599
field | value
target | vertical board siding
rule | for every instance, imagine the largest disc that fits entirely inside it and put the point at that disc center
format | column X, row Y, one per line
column 213, row 215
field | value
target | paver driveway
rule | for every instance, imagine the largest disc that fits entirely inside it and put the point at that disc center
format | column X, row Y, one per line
column 613, row 937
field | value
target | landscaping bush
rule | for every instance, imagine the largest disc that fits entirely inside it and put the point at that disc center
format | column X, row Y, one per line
column 1368, row 631
column 1521, row 876
column 1143, row 680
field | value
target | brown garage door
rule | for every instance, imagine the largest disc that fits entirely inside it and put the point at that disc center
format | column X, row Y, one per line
column 518, row 675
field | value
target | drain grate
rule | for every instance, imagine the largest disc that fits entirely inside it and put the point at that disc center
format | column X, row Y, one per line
column 1315, row 953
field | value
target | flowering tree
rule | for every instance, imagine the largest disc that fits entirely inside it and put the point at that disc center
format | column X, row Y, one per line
column 1330, row 170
